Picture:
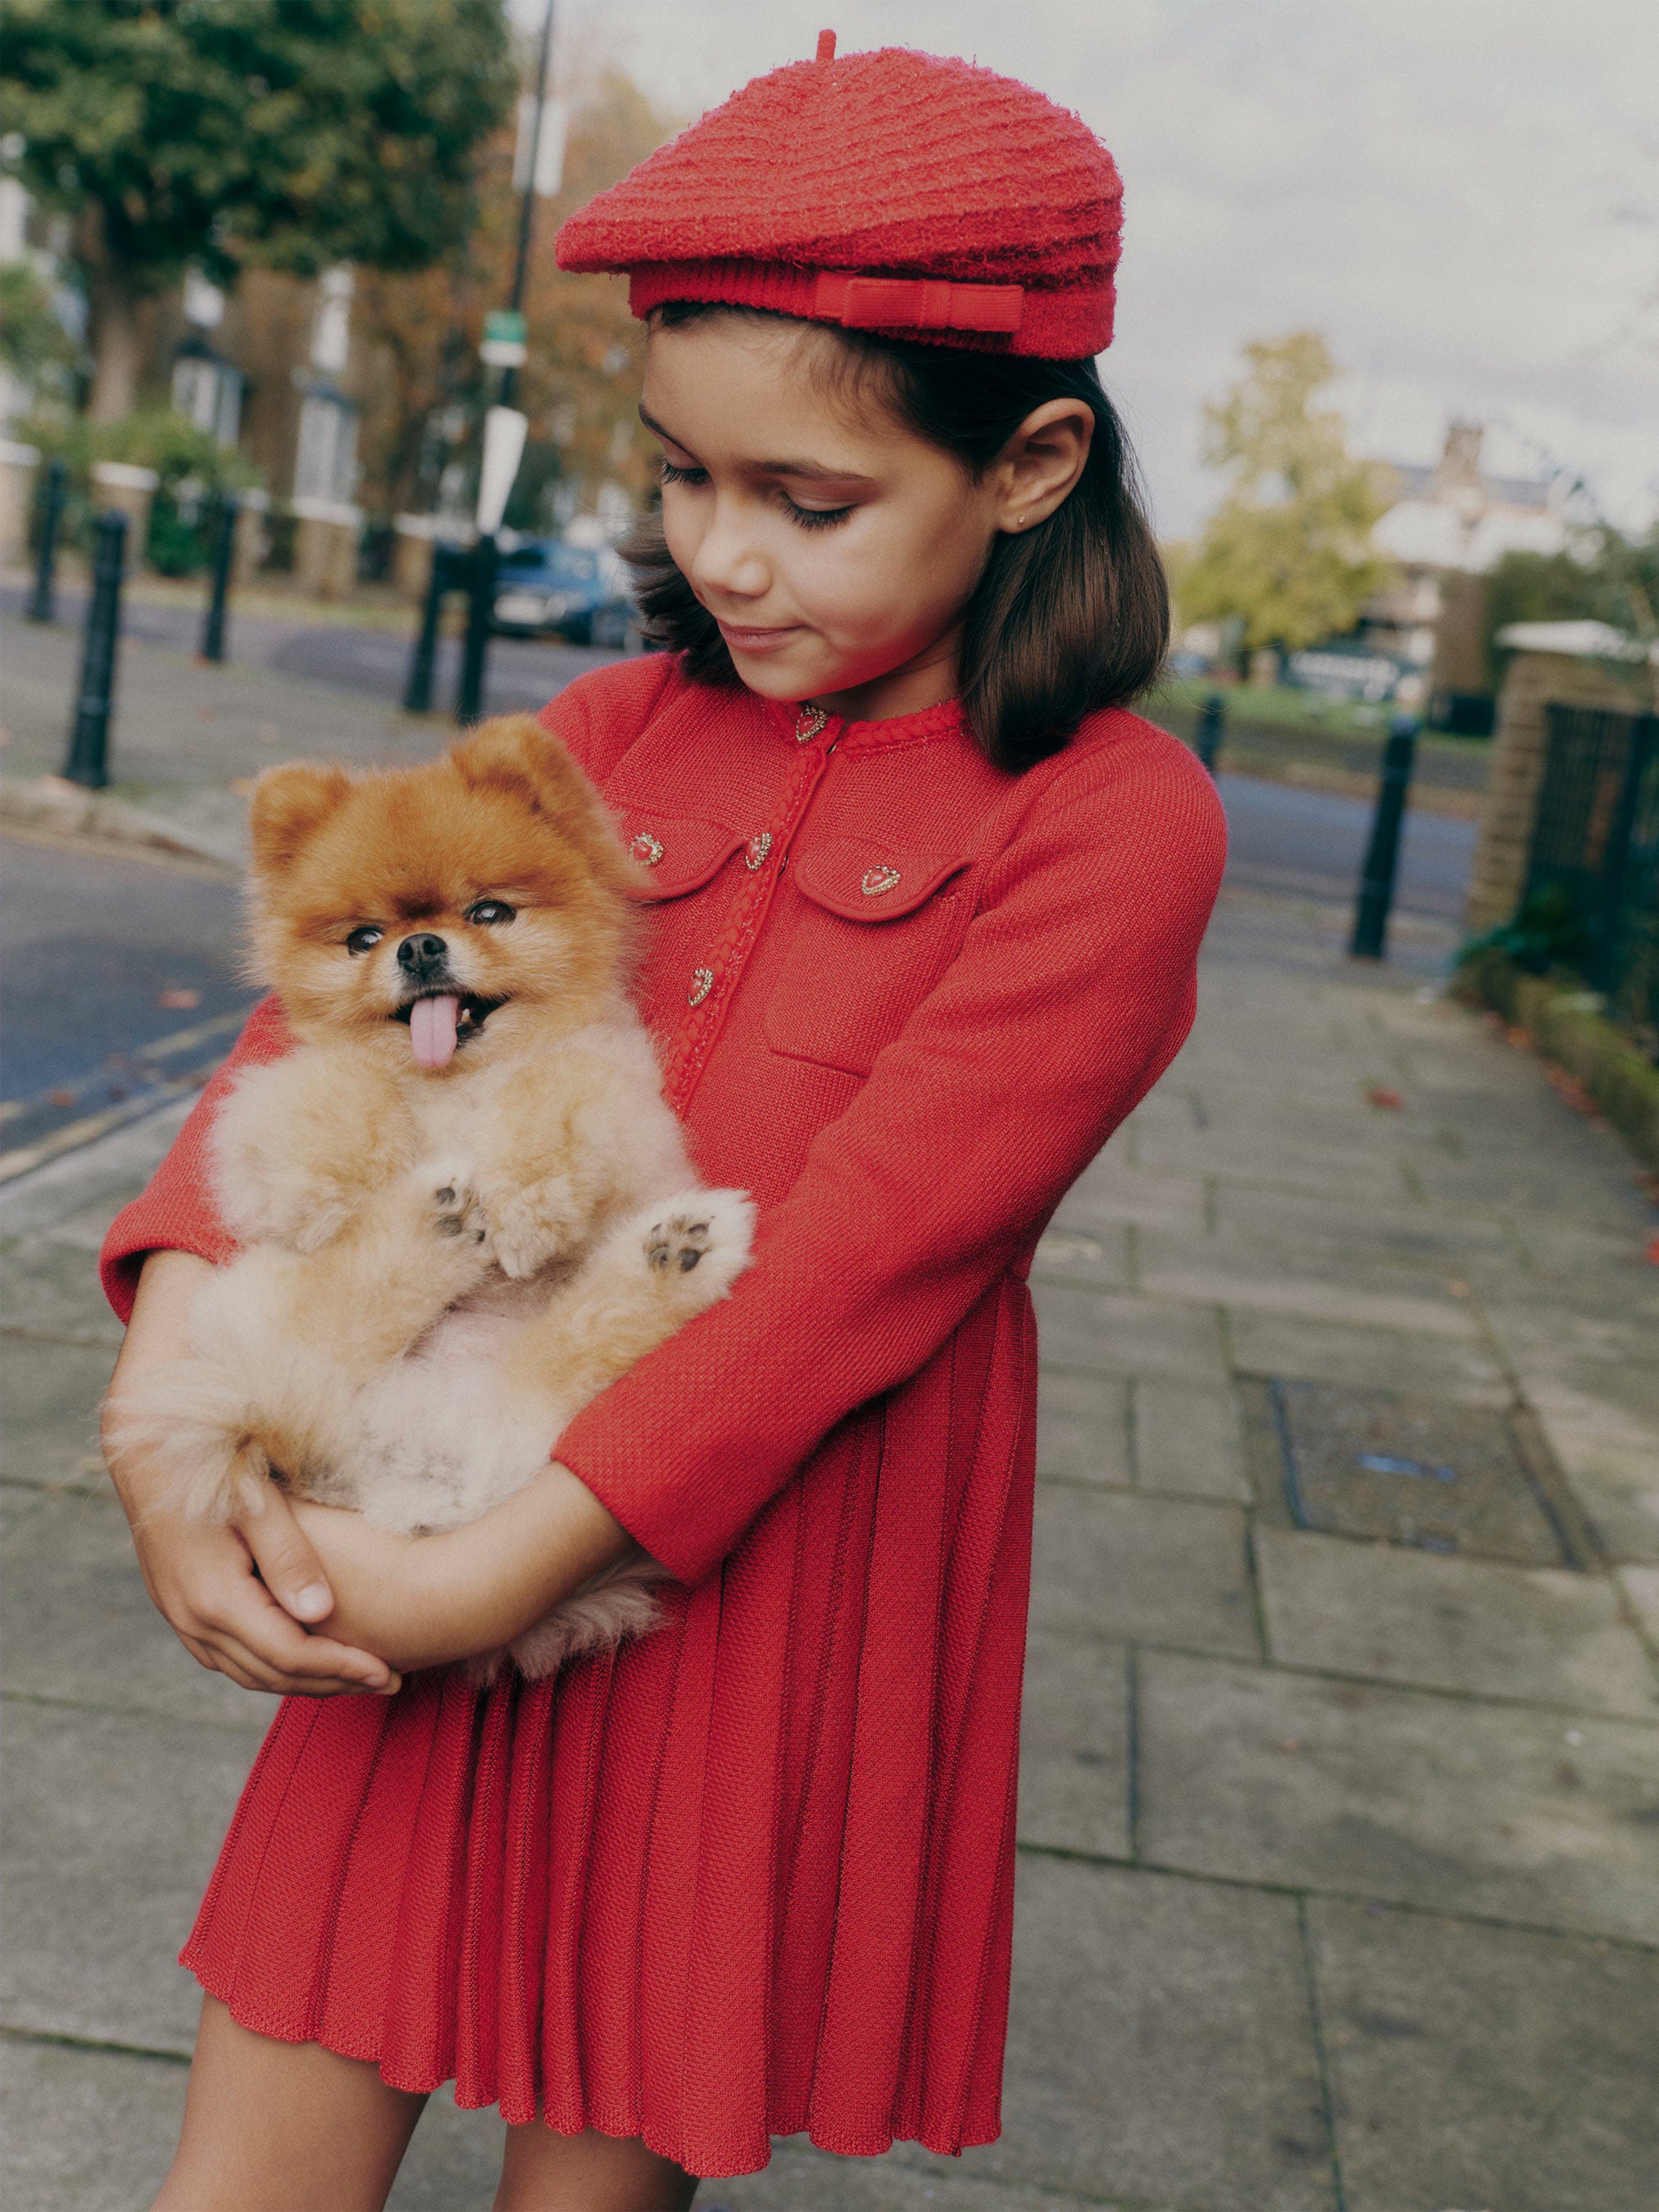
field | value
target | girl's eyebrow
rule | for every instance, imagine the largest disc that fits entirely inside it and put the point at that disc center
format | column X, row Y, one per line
column 814, row 471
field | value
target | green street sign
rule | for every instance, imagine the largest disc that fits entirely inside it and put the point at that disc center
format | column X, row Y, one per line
column 503, row 343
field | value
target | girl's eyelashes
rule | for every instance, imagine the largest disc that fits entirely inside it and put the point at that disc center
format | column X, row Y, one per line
column 815, row 518
column 808, row 518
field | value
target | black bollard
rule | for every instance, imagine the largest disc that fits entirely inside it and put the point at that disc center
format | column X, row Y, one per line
column 1212, row 728
column 54, row 493
column 1377, row 878
column 89, row 753
column 224, row 556
column 480, row 619
column 417, row 691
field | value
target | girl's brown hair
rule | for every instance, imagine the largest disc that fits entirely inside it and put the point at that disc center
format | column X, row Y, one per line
column 1069, row 617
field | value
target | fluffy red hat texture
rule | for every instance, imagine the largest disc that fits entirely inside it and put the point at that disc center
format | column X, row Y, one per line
column 889, row 190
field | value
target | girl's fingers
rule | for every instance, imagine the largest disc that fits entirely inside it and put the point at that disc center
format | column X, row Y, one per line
column 287, row 1563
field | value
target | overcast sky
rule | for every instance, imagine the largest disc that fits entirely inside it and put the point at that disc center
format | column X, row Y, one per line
column 1462, row 194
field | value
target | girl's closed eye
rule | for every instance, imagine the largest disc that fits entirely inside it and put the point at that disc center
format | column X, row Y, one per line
column 813, row 517
column 808, row 518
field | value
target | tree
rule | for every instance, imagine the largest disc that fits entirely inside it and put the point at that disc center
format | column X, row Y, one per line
column 299, row 132
column 580, row 386
column 1288, row 550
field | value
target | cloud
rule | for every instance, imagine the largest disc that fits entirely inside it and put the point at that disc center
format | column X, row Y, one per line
column 1462, row 194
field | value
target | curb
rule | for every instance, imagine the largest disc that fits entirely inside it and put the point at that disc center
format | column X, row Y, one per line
column 66, row 810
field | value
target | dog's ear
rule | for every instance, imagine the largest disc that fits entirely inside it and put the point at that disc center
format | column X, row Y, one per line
column 289, row 805
column 514, row 753
column 515, row 750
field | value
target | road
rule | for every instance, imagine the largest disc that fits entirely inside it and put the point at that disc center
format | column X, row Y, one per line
column 120, row 978
column 1286, row 839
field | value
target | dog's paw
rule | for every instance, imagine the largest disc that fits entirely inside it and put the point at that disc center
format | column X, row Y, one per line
column 530, row 1226
column 452, row 1207
column 706, row 1232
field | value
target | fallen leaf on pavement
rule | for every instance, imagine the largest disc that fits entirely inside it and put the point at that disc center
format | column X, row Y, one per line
column 177, row 1000
column 1378, row 1095
column 60, row 1097
column 1651, row 1255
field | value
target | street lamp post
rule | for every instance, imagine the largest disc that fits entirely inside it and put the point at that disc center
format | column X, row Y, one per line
column 504, row 425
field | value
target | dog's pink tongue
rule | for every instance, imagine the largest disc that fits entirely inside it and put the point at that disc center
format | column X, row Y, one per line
column 432, row 1030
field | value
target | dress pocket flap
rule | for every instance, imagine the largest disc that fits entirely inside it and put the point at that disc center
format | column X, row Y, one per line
column 864, row 882
column 677, row 853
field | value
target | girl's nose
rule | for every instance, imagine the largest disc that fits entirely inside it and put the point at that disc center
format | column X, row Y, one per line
column 728, row 561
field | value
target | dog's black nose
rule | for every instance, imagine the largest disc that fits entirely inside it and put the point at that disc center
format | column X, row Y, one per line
column 423, row 954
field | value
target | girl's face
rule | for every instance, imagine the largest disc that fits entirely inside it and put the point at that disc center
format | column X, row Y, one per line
column 835, row 549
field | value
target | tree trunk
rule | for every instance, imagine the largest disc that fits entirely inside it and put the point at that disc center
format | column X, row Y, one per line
column 112, row 323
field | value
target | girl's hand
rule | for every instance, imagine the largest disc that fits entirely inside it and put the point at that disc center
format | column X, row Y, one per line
column 431, row 1601
column 237, row 1597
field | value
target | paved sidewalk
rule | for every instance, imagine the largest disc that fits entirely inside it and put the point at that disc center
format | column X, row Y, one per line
column 1339, row 1856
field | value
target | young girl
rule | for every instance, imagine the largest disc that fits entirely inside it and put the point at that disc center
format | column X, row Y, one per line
column 926, row 904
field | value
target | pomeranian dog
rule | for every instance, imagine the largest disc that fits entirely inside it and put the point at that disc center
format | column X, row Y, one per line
column 463, row 1205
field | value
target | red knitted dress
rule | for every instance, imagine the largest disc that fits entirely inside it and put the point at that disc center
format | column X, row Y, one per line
column 753, row 1874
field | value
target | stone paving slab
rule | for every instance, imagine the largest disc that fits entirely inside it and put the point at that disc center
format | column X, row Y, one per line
column 804, row 2180
column 1487, row 2067
column 51, row 1394
column 1305, row 1350
column 1506, row 1812
column 1083, row 1428
column 1098, row 1257
column 1187, row 1441
column 1104, row 1333
column 1115, row 1190
column 1160, row 2047
column 81, row 1631
column 1244, row 1280
column 113, row 1823
column 1332, row 1231
column 49, row 1288
column 1615, row 1478
column 86, row 2130
column 1074, row 1747
column 1166, row 1569
column 1547, row 1635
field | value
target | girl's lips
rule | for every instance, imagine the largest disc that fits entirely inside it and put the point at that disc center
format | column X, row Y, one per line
column 758, row 640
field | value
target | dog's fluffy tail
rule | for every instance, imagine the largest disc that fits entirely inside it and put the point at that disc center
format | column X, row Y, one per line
column 194, row 1417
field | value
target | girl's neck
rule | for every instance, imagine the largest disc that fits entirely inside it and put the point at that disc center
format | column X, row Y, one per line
column 927, row 679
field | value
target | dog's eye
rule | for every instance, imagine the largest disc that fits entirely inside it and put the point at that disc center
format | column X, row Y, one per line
column 364, row 939
column 488, row 911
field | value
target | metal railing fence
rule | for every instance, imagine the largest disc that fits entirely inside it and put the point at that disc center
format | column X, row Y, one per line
column 1596, row 849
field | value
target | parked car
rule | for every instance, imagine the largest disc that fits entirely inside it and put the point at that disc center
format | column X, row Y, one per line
column 547, row 588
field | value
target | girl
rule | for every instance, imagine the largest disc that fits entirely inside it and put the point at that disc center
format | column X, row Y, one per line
column 927, row 907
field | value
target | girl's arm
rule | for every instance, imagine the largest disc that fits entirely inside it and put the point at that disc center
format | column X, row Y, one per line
column 429, row 1601
column 235, row 1594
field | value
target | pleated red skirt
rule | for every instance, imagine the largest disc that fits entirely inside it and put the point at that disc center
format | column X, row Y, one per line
column 751, row 1876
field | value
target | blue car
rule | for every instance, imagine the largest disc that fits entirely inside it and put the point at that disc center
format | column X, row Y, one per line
column 545, row 587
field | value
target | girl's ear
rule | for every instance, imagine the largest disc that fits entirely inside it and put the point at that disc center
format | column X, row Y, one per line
column 1041, row 464
column 289, row 805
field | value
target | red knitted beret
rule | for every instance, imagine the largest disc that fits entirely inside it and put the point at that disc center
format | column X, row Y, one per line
column 889, row 191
